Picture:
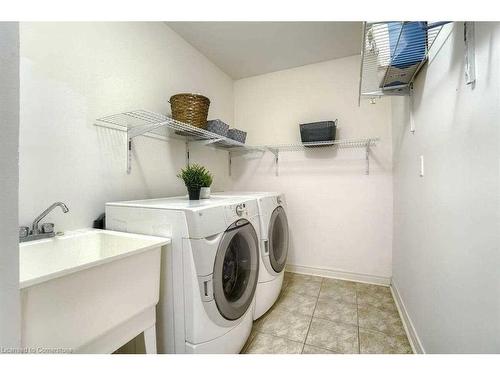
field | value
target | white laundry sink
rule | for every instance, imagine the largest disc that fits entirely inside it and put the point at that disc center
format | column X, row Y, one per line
column 89, row 291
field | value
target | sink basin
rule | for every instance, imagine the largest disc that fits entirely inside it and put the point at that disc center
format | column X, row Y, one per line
column 89, row 291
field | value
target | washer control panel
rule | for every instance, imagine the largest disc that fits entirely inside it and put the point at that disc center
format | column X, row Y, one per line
column 241, row 209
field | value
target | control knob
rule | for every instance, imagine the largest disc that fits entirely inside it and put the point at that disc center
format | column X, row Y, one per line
column 240, row 209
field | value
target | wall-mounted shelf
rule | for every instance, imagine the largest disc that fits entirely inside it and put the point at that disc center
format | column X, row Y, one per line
column 159, row 126
column 364, row 143
column 392, row 54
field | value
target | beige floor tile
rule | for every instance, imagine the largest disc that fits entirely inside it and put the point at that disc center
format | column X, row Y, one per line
column 284, row 323
column 372, row 342
column 381, row 300
column 294, row 302
column 286, row 279
column 285, row 284
column 338, row 292
column 257, row 323
column 309, row 349
column 268, row 344
column 336, row 311
column 335, row 336
column 337, row 306
column 303, row 286
column 372, row 288
column 386, row 321
column 339, row 283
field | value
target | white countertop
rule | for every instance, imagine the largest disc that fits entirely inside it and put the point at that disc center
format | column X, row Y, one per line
column 47, row 259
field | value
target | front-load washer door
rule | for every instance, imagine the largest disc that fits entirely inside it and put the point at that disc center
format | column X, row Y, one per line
column 278, row 239
column 236, row 270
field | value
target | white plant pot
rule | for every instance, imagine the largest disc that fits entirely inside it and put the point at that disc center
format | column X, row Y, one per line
column 205, row 193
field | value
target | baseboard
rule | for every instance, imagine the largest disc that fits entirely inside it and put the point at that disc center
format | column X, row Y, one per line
column 411, row 333
column 343, row 275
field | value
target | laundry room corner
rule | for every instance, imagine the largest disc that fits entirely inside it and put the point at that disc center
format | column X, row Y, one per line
column 340, row 218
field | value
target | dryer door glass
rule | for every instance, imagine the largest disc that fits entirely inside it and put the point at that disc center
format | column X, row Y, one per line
column 278, row 239
column 236, row 270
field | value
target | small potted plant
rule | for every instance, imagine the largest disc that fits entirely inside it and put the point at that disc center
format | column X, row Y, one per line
column 205, row 187
column 194, row 177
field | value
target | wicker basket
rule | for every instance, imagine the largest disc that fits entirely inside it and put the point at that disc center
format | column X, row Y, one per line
column 191, row 109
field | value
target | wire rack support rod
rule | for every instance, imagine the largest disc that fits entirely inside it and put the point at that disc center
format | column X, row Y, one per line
column 363, row 43
column 470, row 63
column 129, row 155
column 277, row 163
column 367, row 158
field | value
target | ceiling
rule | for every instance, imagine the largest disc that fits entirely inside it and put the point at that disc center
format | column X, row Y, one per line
column 245, row 49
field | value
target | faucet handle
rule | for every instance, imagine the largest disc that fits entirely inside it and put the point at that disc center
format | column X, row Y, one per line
column 24, row 232
column 48, row 228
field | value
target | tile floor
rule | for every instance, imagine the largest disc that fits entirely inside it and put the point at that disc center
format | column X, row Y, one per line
column 315, row 315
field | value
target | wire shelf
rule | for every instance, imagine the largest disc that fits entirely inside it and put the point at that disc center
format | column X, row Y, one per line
column 338, row 144
column 155, row 125
column 142, row 122
column 159, row 126
column 362, row 143
column 392, row 55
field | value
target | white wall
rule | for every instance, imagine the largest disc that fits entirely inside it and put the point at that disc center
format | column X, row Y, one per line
column 447, row 223
column 340, row 219
column 9, row 180
column 74, row 73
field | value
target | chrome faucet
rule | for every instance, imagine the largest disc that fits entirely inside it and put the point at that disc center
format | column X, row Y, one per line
column 47, row 231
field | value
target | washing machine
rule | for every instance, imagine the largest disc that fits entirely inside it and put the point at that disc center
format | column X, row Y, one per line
column 209, row 273
column 274, row 239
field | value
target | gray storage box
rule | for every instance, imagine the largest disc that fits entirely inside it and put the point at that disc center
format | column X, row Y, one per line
column 318, row 131
column 217, row 127
column 237, row 135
